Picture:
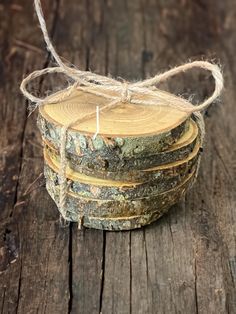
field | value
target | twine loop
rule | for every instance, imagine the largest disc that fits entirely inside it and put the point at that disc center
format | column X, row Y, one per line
column 139, row 93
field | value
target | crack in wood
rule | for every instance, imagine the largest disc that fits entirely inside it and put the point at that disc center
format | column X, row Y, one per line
column 70, row 265
column 19, row 288
column 171, row 235
column 228, row 173
column 146, row 254
column 3, row 300
column 195, row 283
column 130, row 270
column 20, row 164
column 45, row 283
column 102, row 271
column 232, row 266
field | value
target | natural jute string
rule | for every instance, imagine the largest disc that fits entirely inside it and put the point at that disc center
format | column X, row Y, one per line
column 124, row 92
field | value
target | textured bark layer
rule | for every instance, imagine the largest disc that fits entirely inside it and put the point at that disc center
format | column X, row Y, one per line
column 111, row 214
column 90, row 187
column 110, row 148
column 108, row 168
column 180, row 167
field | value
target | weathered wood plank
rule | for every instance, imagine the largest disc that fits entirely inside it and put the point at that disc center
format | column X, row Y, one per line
column 32, row 238
column 79, row 24
column 86, row 270
column 116, row 297
column 195, row 275
column 124, row 29
column 182, row 285
column 184, row 263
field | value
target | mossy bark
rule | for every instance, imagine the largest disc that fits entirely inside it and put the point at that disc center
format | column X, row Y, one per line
column 118, row 215
column 135, row 175
column 149, row 174
column 121, row 192
column 110, row 148
column 99, row 164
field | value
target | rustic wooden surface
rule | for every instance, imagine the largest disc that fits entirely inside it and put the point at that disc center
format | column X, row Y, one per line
column 185, row 262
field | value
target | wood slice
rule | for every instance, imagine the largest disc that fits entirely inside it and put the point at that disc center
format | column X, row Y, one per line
column 91, row 187
column 125, row 131
column 100, row 167
column 180, row 167
column 119, row 215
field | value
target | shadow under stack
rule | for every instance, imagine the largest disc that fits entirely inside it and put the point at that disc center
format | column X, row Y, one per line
column 142, row 161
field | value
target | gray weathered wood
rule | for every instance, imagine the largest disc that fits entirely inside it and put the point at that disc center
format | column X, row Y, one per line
column 185, row 262
column 34, row 249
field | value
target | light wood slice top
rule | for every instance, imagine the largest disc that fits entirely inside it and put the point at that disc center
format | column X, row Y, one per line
column 186, row 139
column 124, row 120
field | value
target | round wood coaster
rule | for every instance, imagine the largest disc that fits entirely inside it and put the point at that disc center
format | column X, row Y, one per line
column 91, row 187
column 125, row 131
column 119, row 215
column 126, row 169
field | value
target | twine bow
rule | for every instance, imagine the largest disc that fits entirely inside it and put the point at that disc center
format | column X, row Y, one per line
column 139, row 93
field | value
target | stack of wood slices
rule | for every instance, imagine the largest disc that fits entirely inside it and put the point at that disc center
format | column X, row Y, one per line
column 142, row 162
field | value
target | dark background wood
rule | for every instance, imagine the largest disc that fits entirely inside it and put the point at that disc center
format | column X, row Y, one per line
column 185, row 262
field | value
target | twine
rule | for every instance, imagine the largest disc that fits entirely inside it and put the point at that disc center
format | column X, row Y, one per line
column 126, row 92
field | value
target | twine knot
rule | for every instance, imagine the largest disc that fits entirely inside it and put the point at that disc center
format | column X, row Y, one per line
column 126, row 93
